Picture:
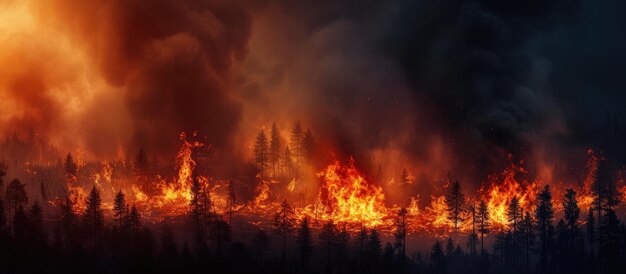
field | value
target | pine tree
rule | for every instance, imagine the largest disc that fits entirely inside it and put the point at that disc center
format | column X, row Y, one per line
column 544, row 214
column 296, row 144
column 328, row 239
column 275, row 145
column 305, row 244
column 93, row 217
column 16, row 195
column 261, row 153
column 3, row 172
column 514, row 214
column 400, row 234
column 361, row 245
column 528, row 238
column 68, row 222
column 284, row 221
column 483, row 223
column 119, row 209
column 141, row 162
column 591, row 234
column 437, row 257
column 374, row 247
column 473, row 237
column 71, row 168
column 343, row 245
column 220, row 234
column 197, row 214
column 35, row 214
column 455, row 201
column 134, row 219
column 449, row 247
column 572, row 213
column 288, row 162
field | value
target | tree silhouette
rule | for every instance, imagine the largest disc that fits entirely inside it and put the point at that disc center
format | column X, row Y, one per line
column 361, row 246
column 514, row 214
column 288, row 162
column 528, row 238
column 197, row 214
column 93, row 218
column 44, row 191
column 134, row 220
column 373, row 251
column 120, row 211
column 400, row 234
column 296, row 144
column 71, row 168
column 482, row 218
column 284, row 221
column 16, row 195
column 68, row 223
column 328, row 240
column 3, row 172
column 220, row 234
column 455, row 201
column 260, row 243
column 591, row 234
column 472, row 240
column 343, row 242
column 303, row 237
column 437, row 257
column 275, row 145
column 571, row 213
column 261, row 153
column 449, row 247
column 141, row 162
column 544, row 214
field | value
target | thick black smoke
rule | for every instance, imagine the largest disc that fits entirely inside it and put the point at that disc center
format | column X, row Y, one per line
column 486, row 78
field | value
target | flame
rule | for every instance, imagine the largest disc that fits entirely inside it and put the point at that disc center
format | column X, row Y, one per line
column 139, row 195
column 502, row 188
column 292, row 185
column 585, row 198
column 346, row 197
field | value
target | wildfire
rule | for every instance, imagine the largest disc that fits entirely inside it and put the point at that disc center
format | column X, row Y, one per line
column 502, row 188
column 346, row 197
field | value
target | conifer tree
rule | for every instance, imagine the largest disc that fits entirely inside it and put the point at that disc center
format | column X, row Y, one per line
column 119, row 209
column 483, row 223
column 304, row 242
column 261, row 152
column 455, row 201
column 275, row 145
column 284, row 221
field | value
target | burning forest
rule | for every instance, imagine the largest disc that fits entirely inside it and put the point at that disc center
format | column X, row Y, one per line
column 312, row 137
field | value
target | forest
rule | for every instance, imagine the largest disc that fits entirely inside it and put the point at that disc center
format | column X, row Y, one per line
column 83, row 225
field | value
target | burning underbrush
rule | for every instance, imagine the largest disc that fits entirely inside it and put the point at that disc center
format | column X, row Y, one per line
column 341, row 194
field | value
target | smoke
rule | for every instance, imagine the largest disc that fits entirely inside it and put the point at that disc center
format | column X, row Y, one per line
column 432, row 85
column 443, row 85
column 124, row 74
